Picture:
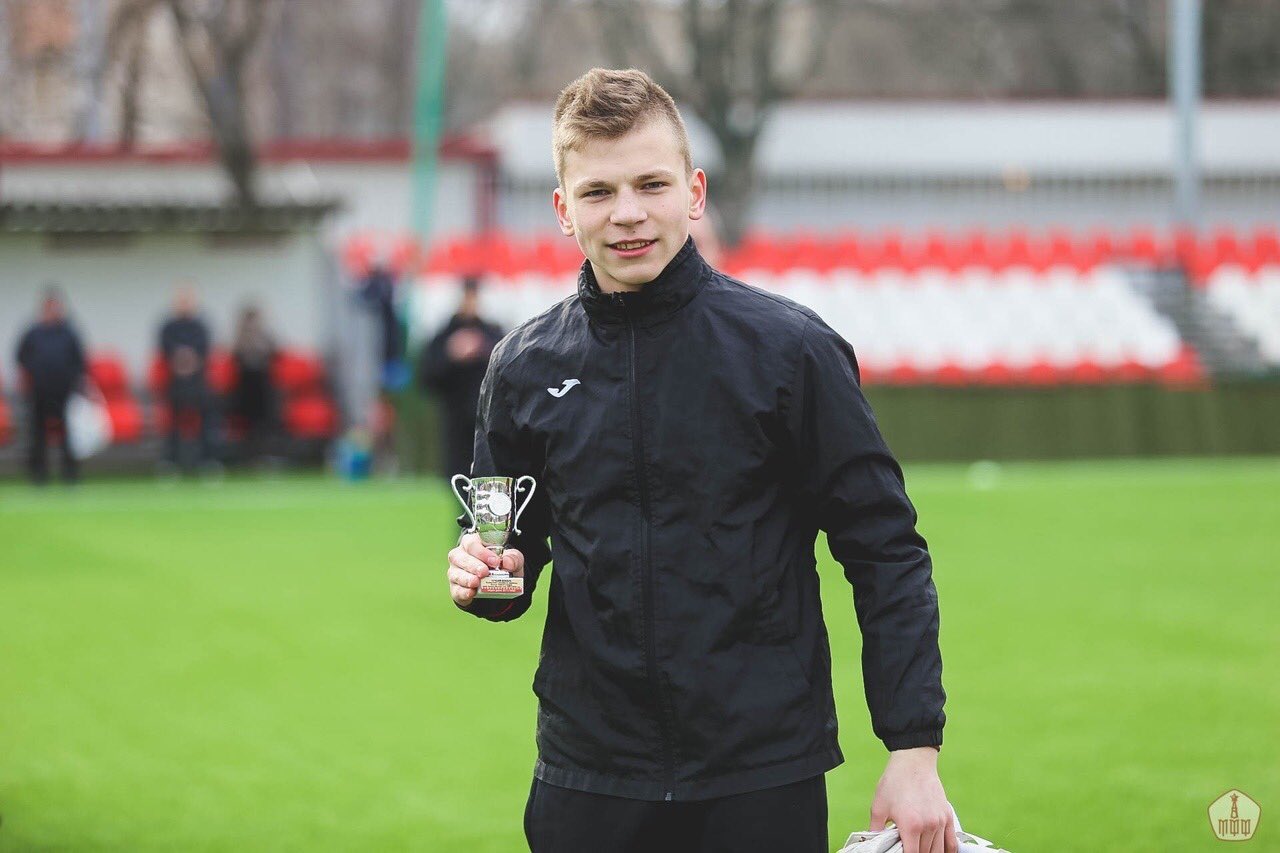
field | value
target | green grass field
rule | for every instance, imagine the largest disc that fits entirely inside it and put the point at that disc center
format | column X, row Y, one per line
column 275, row 665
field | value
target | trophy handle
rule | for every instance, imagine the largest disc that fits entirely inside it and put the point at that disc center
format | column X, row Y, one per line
column 466, row 504
column 515, row 522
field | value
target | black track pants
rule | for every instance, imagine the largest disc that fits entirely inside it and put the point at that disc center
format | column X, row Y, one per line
column 787, row 819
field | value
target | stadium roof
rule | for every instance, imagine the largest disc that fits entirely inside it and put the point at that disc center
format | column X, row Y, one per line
column 136, row 216
column 279, row 151
column 1085, row 139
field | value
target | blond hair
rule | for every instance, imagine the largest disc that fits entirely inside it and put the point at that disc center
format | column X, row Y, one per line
column 606, row 103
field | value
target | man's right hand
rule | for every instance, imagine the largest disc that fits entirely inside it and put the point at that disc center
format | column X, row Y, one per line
column 471, row 561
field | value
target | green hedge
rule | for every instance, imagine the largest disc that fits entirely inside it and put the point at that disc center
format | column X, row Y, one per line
column 966, row 423
column 937, row 424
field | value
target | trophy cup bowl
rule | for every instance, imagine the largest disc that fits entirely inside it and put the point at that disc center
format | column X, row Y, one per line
column 490, row 504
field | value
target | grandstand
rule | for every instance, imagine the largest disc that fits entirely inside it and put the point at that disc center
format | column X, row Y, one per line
column 976, row 308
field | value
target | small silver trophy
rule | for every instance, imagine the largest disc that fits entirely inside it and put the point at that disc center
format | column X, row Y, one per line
column 489, row 504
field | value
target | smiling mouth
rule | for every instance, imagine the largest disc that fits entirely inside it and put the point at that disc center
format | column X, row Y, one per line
column 631, row 245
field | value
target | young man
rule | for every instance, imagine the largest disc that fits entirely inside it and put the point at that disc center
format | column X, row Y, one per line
column 690, row 436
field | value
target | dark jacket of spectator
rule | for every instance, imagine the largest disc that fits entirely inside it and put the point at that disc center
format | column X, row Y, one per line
column 185, row 333
column 454, row 373
column 52, row 356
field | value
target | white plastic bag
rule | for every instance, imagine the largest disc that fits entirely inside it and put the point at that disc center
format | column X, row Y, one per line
column 88, row 423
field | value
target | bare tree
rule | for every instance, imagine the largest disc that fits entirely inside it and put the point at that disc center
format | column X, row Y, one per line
column 1241, row 48
column 126, row 41
column 735, row 76
column 90, row 63
column 218, row 38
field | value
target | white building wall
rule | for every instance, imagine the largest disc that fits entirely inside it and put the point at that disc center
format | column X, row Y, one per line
column 119, row 294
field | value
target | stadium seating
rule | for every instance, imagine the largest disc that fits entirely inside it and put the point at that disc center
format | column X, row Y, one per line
column 306, row 408
column 107, row 372
column 975, row 308
column 1252, row 301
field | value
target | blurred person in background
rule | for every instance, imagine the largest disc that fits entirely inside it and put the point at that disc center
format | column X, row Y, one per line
column 184, row 346
column 452, row 367
column 254, row 400
column 51, row 356
column 378, row 290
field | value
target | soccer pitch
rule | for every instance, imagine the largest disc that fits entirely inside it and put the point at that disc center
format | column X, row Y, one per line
column 275, row 665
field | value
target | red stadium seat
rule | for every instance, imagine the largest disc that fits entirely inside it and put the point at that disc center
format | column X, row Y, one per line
column 997, row 373
column 6, row 420
column 406, row 255
column 1087, row 372
column 848, row 252
column 1266, row 246
column 221, row 372
column 1143, row 245
column 1042, row 373
column 310, row 417
column 295, row 372
column 157, row 376
column 1186, row 369
column 1097, row 248
column 126, row 420
column 1063, row 251
column 904, row 373
column 107, row 372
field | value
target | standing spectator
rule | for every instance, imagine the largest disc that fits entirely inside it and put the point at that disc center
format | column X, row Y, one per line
column 51, row 355
column 184, row 346
column 378, row 290
column 254, row 397
column 452, row 367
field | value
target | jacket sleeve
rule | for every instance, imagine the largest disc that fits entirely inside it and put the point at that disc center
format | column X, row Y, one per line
column 503, row 449
column 23, row 354
column 855, row 488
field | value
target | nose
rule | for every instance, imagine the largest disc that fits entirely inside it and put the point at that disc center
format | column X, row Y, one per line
column 628, row 210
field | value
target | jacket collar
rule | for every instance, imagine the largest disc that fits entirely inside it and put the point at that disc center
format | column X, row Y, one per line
column 657, row 300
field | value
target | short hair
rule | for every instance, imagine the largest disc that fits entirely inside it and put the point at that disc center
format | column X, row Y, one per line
column 606, row 103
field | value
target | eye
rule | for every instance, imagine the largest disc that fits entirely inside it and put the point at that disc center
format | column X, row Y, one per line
column 597, row 192
column 654, row 185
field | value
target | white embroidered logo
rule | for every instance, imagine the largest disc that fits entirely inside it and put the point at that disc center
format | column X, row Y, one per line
column 566, row 385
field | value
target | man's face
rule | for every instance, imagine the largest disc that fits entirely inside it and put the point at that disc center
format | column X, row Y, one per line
column 185, row 301
column 628, row 202
column 51, row 310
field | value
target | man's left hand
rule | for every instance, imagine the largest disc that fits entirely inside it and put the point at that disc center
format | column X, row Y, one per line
column 910, row 794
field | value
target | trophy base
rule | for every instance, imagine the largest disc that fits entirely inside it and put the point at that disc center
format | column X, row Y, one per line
column 500, row 585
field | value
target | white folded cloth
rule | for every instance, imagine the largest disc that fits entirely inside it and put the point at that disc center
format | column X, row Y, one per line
column 888, row 841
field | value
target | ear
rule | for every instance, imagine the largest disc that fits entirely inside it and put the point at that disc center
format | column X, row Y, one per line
column 697, row 194
column 562, row 212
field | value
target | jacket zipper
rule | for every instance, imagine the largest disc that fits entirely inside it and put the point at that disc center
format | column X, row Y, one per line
column 646, row 567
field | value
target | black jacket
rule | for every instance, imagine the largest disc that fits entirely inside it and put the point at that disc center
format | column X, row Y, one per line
column 714, row 429
column 52, row 356
column 457, row 384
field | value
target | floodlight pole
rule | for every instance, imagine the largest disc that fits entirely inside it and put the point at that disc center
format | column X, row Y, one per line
column 1184, row 90
column 433, row 40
